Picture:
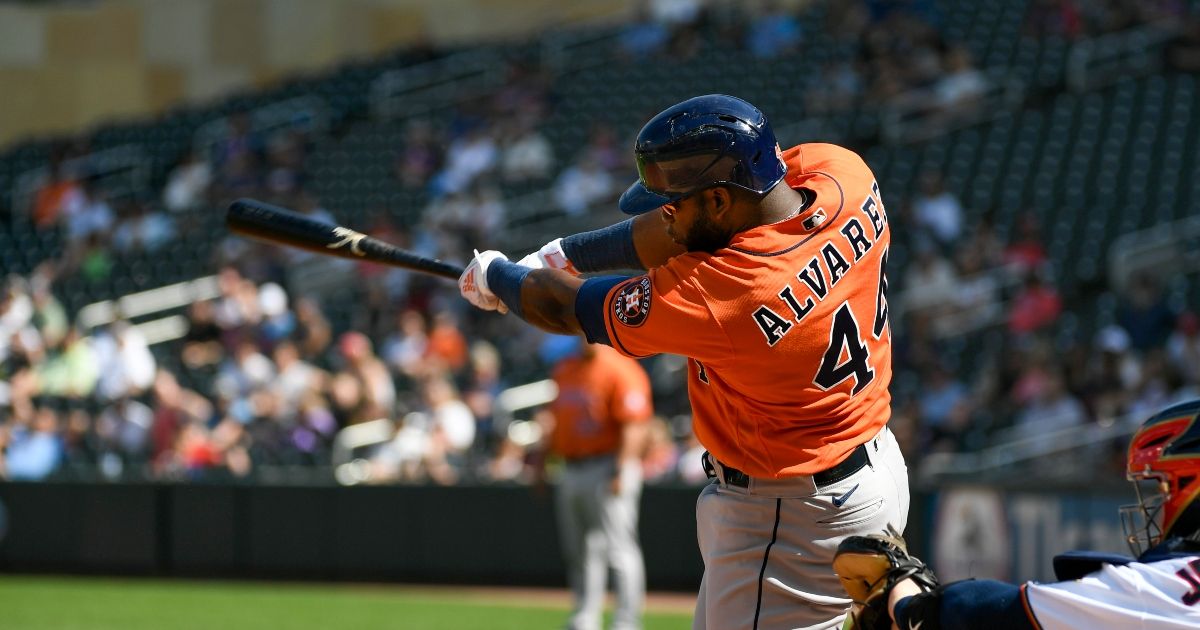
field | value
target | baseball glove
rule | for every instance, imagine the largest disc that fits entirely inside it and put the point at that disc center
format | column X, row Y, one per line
column 869, row 566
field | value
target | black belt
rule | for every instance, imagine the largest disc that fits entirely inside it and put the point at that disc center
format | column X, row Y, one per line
column 852, row 464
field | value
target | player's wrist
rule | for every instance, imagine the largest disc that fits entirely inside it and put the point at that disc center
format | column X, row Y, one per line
column 504, row 279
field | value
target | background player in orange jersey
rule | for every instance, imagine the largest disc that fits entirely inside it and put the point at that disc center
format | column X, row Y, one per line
column 600, row 416
column 777, row 294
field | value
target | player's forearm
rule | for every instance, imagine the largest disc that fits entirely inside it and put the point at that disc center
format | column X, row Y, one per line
column 637, row 243
column 548, row 301
column 965, row 605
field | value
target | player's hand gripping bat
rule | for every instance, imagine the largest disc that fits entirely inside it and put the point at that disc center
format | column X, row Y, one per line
column 271, row 223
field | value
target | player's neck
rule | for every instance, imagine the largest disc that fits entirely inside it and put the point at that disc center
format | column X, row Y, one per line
column 783, row 203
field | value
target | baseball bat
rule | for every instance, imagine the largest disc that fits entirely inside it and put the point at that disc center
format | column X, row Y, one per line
column 274, row 224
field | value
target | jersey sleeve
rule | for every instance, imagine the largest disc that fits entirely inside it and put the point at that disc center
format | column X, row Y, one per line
column 1131, row 596
column 589, row 307
column 664, row 312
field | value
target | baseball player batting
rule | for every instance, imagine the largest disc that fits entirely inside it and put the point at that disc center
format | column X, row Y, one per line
column 1160, row 588
column 777, row 294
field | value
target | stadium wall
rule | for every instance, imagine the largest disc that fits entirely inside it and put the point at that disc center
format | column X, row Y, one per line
column 475, row 534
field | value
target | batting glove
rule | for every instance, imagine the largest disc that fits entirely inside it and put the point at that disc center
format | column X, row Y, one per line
column 472, row 284
column 550, row 256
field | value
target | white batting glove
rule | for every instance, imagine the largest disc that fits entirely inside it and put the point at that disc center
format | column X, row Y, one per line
column 550, row 256
column 472, row 284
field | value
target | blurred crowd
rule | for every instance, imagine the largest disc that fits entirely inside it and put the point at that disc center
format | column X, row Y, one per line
column 964, row 284
column 387, row 376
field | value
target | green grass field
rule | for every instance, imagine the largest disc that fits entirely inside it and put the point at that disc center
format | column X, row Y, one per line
column 45, row 603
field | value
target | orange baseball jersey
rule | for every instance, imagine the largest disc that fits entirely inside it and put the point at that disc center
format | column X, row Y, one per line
column 595, row 397
column 786, row 329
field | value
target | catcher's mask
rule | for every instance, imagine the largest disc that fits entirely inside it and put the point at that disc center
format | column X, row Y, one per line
column 1164, row 466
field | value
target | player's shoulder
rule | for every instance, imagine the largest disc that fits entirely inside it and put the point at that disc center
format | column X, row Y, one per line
column 817, row 156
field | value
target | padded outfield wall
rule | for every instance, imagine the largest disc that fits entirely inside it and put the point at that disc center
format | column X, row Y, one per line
column 473, row 534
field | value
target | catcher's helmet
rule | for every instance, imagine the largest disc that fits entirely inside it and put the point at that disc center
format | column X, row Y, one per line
column 702, row 142
column 1165, row 451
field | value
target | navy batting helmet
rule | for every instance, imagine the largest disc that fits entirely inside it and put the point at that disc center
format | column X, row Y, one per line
column 702, row 142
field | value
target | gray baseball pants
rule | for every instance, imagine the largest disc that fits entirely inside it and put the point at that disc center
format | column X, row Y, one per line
column 768, row 547
column 598, row 531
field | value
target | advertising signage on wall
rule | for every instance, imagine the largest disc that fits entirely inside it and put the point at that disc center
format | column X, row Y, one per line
column 985, row 532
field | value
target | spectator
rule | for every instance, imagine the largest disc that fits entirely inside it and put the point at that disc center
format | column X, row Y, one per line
column 468, row 157
column 375, row 383
column 57, row 197
column 174, row 408
column 188, row 184
column 525, row 155
column 92, row 216
column 940, row 403
column 32, row 452
column 1026, row 251
column 1145, row 315
column 405, row 349
column 124, row 429
column 976, row 300
column 1035, row 307
column 930, row 282
column 143, row 228
column 983, row 243
column 420, row 156
column 485, row 382
column 126, row 365
column 938, row 211
column 202, row 342
column 660, row 462
column 1183, row 347
column 447, row 347
column 16, row 311
column 71, row 368
column 1054, row 18
column 451, row 430
column 1052, row 409
column 774, row 32
column 643, row 36
column 294, row 378
column 48, row 317
column 277, row 323
column 581, row 185
column 313, row 333
column 244, row 372
column 961, row 86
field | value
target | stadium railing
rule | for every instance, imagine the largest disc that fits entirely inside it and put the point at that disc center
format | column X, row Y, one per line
column 916, row 115
column 153, row 301
column 1174, row 246
column 434, row 85
column 1106, row 59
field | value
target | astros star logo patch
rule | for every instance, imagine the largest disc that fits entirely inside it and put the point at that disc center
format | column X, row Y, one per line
column 632, row 303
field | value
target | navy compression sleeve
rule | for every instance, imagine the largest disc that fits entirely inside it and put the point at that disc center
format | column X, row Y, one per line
column 966, row 605
column 604, row 249
column 504, row 278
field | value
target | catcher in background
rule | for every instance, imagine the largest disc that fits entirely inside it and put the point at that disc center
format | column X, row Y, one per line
column 1159, row 589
